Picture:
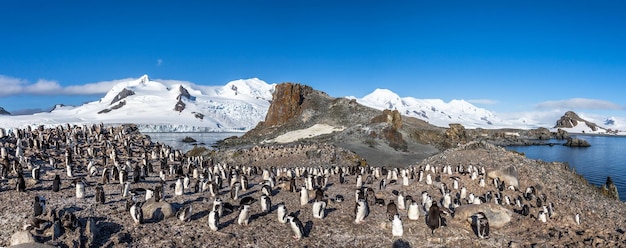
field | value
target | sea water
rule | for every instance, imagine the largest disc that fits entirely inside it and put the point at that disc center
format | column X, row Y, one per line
column 175, row 140
column 606, row 157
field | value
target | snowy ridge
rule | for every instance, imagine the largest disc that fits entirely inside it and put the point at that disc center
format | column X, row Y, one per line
column 605, row 125
column 152, row 105
column 434, row 111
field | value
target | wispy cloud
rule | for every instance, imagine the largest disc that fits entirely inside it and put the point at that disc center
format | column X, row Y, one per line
column 17, row 86
column 482, row 101
column 159, row 62
column 579, row 103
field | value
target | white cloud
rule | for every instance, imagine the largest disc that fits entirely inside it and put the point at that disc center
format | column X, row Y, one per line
column 159, row 62
column 16, row 86
column 482, row 101
column 578, row 103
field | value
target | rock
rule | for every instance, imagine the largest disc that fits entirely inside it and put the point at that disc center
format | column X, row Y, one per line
column 155, row 211
column 497, row 215
column 22, row 237
column 561, row 134
column 576, row 142
column 286, row 103
column 4, row 112
column 507, row 174
column 123, row 94
column 609, row 189
column 188, row 139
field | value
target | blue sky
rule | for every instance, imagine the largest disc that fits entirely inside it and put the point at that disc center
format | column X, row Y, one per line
column 505, row 56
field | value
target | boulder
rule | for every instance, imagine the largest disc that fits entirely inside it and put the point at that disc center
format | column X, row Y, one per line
column 155, row 211
column 22, row 237
column 497, row 215
column 576, row 142
column 507, row 174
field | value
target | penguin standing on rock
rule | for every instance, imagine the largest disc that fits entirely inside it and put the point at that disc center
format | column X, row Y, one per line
column 214, row 220
column 244, row 215
column 184, row 214
column 282, row 213
column 480, row 225
column 396, row 226
column 361, row 211
column 20, row 185
column 296, row 227
column 56, row 183
column 137, row 213
column 392, row 210
column 100, row 194
column 39, row 205
column 433, row 219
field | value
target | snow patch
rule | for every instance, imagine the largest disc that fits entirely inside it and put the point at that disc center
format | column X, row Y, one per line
column 315, row 130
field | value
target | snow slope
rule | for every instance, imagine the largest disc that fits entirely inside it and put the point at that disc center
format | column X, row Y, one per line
column 237, row 106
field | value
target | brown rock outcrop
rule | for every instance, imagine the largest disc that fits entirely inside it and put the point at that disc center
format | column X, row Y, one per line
column 286, row 103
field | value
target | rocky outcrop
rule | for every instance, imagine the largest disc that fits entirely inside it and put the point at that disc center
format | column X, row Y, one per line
column 561, row 134
column 576, row 142
column 507, row 174
column 180, row 106
column 609, row 189
column 184, row 93
column 497, row 215
column 571, row 119
column 123, row 94
column 4, row 112
column 287, row 101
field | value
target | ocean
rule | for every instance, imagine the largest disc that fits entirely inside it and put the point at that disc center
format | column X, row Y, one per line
column 175, row 140
column 606, row 157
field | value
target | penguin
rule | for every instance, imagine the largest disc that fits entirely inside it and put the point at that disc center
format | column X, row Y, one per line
column 100, row 194
column 244, row 215
column 234, row 192
column 68, row 169
column 433, row 219
column 218, row 207
column 244, row 183
column 413, row 211
column 480, row 225
column 401, row 202
column 296, row 227
column 20, row 185
column 342, row 178
column 80, row 189
column 184, row 214
column 359, row 181
column 396, row 226
column 282, row 213
column 136, row 213
column 319, row 209
column 125, row 189
column 266, row 190
column 186, row 182
column 542, row 216
column 178, row 187
column 266, row 204
column 383, row 184
column 214, row 220
column 339, row 198
column 39, row 206
column 36, row 173
column 577, row 218
column 319, row 194
column 158, row 193
column 361, row 211
column 304, row 196
column 392, row 210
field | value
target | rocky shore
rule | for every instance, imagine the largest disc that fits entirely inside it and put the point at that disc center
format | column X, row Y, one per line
column 548, row 186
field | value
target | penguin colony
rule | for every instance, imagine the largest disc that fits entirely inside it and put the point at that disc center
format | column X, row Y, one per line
column 93, row 160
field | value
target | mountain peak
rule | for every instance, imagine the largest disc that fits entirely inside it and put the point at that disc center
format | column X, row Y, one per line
column 4, row 112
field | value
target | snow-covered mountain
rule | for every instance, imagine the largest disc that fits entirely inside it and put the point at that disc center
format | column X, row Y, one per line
column 434, row 111
column 166, row 106
column 588, row 124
